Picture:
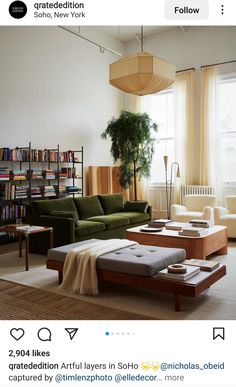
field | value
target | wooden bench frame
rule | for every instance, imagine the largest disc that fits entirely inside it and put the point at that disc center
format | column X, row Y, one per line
column 177, row 288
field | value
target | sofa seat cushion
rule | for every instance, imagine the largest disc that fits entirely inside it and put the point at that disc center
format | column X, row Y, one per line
column 88, row 206
column 186, row 216
column 44, row 207
column 67, row 214
column 134, row 217
column 110, row 221
column 87, row 228
column 112, row 203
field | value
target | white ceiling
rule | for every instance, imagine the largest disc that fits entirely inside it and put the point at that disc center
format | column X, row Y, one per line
column 127, row 33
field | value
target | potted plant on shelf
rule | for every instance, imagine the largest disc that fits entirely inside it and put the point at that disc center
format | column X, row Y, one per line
column 132, row 144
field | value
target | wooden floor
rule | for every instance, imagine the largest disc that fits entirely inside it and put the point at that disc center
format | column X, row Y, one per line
column 8, row 247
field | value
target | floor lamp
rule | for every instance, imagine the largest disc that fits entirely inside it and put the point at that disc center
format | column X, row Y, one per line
column 169, row 191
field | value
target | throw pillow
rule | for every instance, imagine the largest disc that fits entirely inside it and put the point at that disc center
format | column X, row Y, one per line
column 88, row 206
column 67, row 214
column 136, row 205
column 112, row 203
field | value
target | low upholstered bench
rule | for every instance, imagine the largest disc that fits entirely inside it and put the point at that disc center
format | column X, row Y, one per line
column 138, row 265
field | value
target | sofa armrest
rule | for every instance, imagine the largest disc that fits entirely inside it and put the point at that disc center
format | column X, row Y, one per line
column 63, row 228
column 177, row 209
column 149, row 211
column 208, row 213
column 218, row 212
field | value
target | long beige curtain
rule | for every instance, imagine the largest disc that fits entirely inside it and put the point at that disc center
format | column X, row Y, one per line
column 184, row 94
column 184, row 89
column 209, row 160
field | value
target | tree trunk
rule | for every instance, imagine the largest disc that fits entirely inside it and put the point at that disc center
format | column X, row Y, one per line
column 135, row 182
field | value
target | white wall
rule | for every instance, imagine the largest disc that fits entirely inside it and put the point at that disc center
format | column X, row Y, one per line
column 54, row 89
column 196, row 47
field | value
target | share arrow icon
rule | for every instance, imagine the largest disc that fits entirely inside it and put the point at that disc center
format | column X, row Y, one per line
column 72, row 332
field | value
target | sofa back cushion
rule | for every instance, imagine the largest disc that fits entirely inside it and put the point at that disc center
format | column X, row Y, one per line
column 88, row 206
column 44, row 207
column 136, row 205
column 112, row 203
column 198, row 202
column 231, row 203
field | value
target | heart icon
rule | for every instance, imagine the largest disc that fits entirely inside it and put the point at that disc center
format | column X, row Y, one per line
column 17, row 333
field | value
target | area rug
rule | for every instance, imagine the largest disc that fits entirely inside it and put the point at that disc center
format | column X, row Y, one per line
column 20, row 302
column 216, row 303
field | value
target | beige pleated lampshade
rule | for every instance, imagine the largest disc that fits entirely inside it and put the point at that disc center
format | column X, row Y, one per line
column 141, row 74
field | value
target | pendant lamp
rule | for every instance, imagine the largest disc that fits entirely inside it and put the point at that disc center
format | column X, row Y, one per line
column 141, row 73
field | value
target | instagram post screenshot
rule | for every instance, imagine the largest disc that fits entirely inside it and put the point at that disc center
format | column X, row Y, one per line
column 117, row 193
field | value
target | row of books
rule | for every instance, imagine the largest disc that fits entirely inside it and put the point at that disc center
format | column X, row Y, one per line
column 37, row 155
column 11, row 192
column 35, row 174
column 16, row 154
column 11, row 212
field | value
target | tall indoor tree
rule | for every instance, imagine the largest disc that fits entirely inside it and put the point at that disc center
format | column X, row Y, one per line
column 132, row 144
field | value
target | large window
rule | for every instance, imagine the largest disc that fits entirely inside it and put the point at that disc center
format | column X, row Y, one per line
column 227, row 120
column 161, row 110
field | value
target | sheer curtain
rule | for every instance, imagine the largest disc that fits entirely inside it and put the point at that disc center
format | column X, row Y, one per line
column 184, row 88
column 184, row 101
column 210, row 163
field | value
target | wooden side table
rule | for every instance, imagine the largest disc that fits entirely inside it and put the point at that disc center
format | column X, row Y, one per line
column 15, row 229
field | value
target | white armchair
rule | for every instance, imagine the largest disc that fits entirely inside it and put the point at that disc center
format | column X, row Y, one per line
column 227, row 216
column 194, row 207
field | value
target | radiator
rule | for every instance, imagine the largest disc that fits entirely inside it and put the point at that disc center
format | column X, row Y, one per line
column 195, row 190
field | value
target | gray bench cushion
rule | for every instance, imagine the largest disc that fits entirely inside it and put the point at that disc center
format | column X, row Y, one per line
column 137, row 259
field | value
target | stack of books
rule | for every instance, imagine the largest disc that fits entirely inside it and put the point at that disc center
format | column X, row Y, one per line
column 159, row 222
column 21, row 191
column 62, row 189
column 202, row 264
column 36, row 192
column 190, row 272
column 72, row 189
column 193, row 231
column 176, row 226
column 4, row 173
column 36, row 174
column 49, row 174
column 27, row 228
column 49, row 191
column 18, row 175
column 201, row 223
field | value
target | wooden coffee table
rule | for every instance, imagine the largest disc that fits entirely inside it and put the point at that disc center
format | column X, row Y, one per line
column 12, row 228
column 216, row 241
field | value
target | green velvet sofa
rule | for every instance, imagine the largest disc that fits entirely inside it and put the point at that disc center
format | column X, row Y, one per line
column 78, row 219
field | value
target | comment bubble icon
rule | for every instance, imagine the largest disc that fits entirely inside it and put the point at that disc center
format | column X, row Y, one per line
column 44, row 334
